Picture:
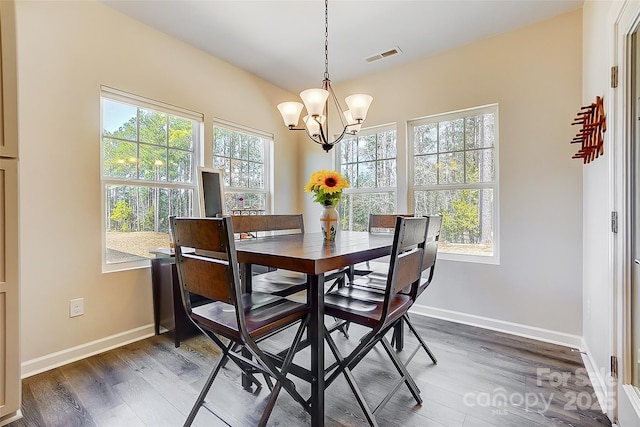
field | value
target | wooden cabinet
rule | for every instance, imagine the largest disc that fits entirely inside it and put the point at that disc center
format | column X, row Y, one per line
column 168, row 310
column 9, row 303
column 10, row 385
column 8, row 81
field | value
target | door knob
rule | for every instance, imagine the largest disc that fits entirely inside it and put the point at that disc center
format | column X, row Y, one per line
column 637, row 261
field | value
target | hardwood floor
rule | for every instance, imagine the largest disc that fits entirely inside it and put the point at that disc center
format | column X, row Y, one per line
column 482, row 379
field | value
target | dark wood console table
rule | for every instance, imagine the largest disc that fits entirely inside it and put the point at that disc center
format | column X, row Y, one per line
column 168, row 311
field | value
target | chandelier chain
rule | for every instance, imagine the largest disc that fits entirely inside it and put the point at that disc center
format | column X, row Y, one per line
column 326, row 39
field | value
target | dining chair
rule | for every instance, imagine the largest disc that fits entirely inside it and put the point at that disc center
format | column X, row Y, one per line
column 380, row 312
column 428, row 263
column 207, row 265
column 278, row 282
column 376, row 281
column 378, row 223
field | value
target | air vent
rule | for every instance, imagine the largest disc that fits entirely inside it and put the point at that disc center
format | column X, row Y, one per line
column 396, row 50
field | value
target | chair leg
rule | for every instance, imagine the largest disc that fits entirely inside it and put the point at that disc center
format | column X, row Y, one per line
column 207, row 386
column 402, row 370
column 420, row 340
column 283, row 371
column 346, row 371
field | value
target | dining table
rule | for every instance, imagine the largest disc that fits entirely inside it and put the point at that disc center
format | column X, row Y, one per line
column 311, row 254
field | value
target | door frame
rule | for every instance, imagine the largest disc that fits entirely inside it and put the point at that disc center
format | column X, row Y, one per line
column 624, row 404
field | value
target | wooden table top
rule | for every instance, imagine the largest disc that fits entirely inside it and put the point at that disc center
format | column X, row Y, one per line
column 309, row 253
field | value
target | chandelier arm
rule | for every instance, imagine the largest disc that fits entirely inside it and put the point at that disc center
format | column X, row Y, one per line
column 337, row 104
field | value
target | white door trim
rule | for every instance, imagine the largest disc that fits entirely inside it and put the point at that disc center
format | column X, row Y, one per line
column 623, row 20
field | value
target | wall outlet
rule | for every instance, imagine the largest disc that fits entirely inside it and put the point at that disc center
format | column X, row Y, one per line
column 76, row 307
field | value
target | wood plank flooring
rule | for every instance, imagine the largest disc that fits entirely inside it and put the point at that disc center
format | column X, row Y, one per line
column 483, row 379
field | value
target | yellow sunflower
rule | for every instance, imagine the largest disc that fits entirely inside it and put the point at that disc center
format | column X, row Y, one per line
column 326, row 186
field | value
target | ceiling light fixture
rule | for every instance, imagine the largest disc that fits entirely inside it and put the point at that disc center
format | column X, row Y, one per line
column 316, row 102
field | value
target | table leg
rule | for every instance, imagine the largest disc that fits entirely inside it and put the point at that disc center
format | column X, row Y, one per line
column 316, row 338
column 245, row 272
column 398, row 335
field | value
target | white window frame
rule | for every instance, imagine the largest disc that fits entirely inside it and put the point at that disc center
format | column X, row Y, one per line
column 142, row 102
column 372, row 190
column 485, row 109
column 268, row 166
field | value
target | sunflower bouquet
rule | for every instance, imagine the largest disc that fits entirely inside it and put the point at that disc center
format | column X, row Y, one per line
column 326, row 187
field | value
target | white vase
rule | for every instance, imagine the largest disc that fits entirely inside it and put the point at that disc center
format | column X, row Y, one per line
column 329, row 222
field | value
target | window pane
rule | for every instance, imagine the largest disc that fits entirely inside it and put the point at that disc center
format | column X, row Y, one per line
column 348, row 150
column 425, row 139
column 180, row 133
column 425, row 170
column 451, row 168
column 153, row 163
column 355, row 208
column 236, row 146
column 451, row 137
column 221, row 142
column 386, row 171
column 480, row 166
column 366, row 148
column 119, row 120
column 256, row 175
column 225, row 165
column 242, row 158
column 153, row 127
column 180, row 166
column 387, row 145
column 239, row 173
column 349, row 172
column 467, row 218
column 479, row 131
column 366, row 175
column 137, row 219
column 120, row 159
column 256, row 150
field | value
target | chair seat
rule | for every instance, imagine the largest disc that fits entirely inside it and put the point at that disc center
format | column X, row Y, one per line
column 279, row 282
column 364, row 307
column 263, row 314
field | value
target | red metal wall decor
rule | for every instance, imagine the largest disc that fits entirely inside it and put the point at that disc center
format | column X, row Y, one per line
column 591, row 134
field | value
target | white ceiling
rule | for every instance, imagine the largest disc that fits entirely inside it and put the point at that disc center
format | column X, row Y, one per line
column 283, row 41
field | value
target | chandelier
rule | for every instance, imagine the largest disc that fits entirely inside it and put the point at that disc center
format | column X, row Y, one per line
column 316, row 102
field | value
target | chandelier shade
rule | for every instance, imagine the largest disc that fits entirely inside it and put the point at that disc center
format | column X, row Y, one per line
column 290, row 112
column 359, row 105
column 317, row 102
column 314, row 101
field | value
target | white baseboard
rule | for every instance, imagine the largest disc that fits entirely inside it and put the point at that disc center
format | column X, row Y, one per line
column 9, row 418
column 53, row 360
column 596, row 376
column 526, row 331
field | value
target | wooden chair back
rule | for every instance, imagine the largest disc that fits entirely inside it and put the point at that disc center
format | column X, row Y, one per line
column 206, row 260
column 290, row 224
column 405, row 266
column 382, row 223
column 431, row 249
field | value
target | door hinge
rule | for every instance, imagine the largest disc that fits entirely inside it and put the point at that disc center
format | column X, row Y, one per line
column 614, row 222
column 614, row 367
column 614, row 76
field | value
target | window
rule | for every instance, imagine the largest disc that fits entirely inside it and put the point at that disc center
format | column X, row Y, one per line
column 368, row 161
column 455, row 174
column 148, row 170
column 243, row 155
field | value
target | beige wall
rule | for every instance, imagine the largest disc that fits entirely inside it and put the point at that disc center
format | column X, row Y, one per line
column 66, row 50
column 534, row 74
